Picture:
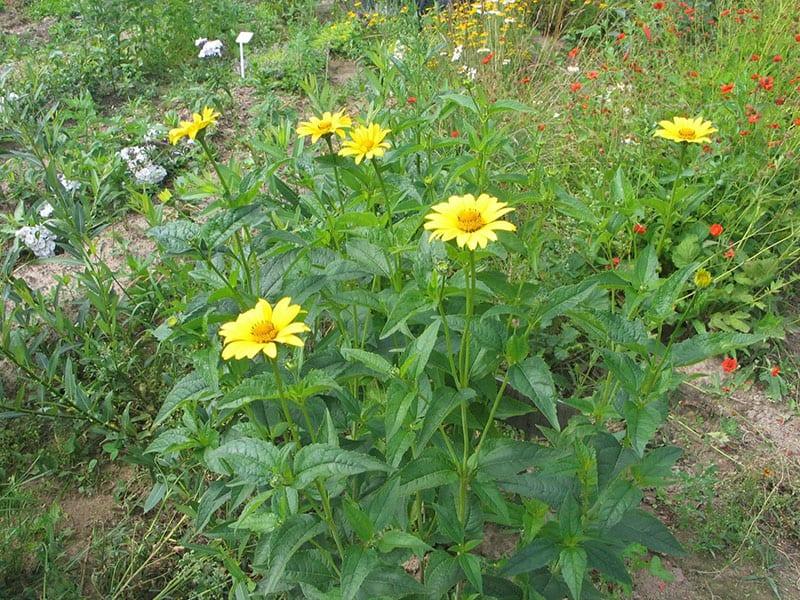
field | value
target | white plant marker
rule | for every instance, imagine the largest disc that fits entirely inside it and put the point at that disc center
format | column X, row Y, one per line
column 243, row 38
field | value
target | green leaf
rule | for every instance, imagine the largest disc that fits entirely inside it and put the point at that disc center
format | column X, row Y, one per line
column 419, row 351
column 573, row 569
column 533, row 379
column 156, row 495
column 176, row 237
column 462, row 100
column 215, row 496
column 358, row 563
column 401, row 539
column 531, row 557
column 369, row 359
column 283, row 543
column 614, row 501
column 643, row 420
column 443, row 402
column 643, row 528
column 189, row 387
column 171, row 441
column 358, row 520
column 248, row 458
column 441, row 574
column 624, row 368
column 686, row 251
column 258, row 522
column 605, row 558
column 369, row 256
column 471, row 566
column 433, row 469
column 703, row 346
column 506, row 105
column 330, row 462
column 662, row 304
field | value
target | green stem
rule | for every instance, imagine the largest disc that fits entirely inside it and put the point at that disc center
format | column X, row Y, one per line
column 284, row 402
column 392, row 237
column 312, row 434
column 464, row 360
column 447, row 338
column 492, row 412
column 335, row 172
column 202, row 141
column 671, row 209
column 326, row 507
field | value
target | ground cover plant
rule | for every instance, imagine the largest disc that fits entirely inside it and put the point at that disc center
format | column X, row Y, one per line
column 411, row 311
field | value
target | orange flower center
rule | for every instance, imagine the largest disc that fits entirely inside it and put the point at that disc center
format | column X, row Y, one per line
column 263, row 332
column 687, row 133
column 368, row 145
column 324, row 125
column 470, row 220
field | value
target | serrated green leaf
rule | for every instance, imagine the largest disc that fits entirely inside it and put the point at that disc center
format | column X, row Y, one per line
column 330, row 462
column 533, row 379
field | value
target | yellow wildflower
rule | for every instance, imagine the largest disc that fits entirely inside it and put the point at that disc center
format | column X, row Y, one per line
column 681, row 129
column 366, row 142
column 261, row 328
column 329, row 124
column 471, row 221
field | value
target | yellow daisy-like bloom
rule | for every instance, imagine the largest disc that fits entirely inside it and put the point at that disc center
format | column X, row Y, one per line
column 471, row 221
column 702, row 278
column 261, row 328
column 681, row 129
column 326, row 126
column 191, row 128
column 366, row 142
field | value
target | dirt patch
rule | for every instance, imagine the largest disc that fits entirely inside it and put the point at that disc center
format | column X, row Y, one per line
column 497, row 543
column 110, row 247
column 341, row 71
column 14, row 22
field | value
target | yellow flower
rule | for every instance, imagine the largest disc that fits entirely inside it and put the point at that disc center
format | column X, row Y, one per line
column 191, row 128
column 327, row 125
column 165, row 195
column 702, row 278
column 365, row 142
column 260, row 328
column 471, row 221
column 681, row 129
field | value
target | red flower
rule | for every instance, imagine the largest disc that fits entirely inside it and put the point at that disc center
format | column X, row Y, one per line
column 615, row 260
column 766, row 83
column 797, row 38
column 744, row 133
column 574, row 52
column 725, row 12
column 726, row 88
column 729, row 365
column 640, row 229
column 488, row 58
column 780, row 101
column 754, row 118
column 412, row 100
column 659, row 5
column 774, row 126
column 777, row 58
column 693, row 74
column 775, row 371
column 592, row 75
column 647, row 32
column 454, row 133
column 729, row 253
column 716, row 230
column 620, row 37
column 525, row 80
column 575, row 87
column 755, row 57
column 797, row 122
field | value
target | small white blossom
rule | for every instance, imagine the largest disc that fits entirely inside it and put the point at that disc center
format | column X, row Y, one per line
column 399, row 51
column 457, row 52
column 69, row 185
column 483, row 50
column 135, row 157
column 472, row 73
column 212, row 48
column 150, row 175
column 506, row 61
column 572, row 69
column 39, row 240
column 46, row 210
column 155, row 133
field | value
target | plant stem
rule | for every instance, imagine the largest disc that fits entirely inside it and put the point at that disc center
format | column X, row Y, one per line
column 335, row 172
column 202, row 141
column 392, row 237
column 492, row 412
column 671, row 210
column 464, row 361
column 284, row 403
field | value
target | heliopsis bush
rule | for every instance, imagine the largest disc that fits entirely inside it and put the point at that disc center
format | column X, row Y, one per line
column 443, row 305
column 371, row 455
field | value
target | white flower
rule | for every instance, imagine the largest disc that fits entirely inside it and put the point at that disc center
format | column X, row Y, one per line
column 46, row 210
column 472, row 73
column 399, row 51
column 135, row 157
column 573, row 69
column 212, row 48
column 69, row 185
column 39, row 240
column 506, row 61
column 483, row 50
column 155, row 133
column 150, row 175
column 509, row 20
column 457, row 52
